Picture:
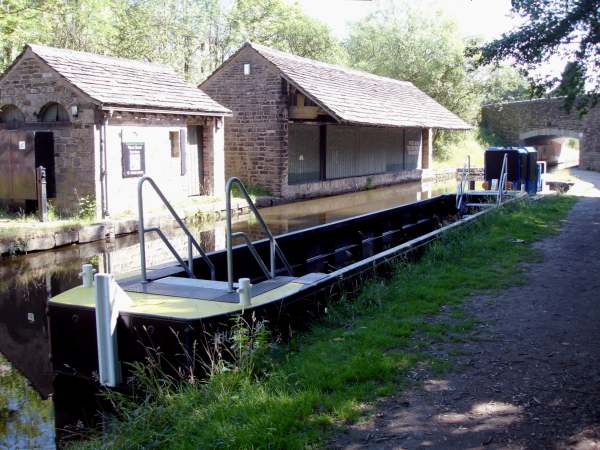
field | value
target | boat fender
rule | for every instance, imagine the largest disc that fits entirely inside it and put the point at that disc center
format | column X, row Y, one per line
column 245, row 291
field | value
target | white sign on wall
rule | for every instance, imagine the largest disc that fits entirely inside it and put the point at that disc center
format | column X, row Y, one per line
column 22, row 145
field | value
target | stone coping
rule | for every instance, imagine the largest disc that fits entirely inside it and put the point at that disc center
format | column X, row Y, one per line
column 40, row 240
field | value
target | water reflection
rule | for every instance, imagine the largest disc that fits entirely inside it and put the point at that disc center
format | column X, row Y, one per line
column 26, row 283
column 25, row 418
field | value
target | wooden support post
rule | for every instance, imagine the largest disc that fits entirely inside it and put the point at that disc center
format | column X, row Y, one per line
column 42, row 195
column 323, row 152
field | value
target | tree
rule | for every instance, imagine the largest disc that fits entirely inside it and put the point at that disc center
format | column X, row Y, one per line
column 427, row 49
column 173, row 32
column 277, row 24
column 503, row 83
column 21, row 22
column 85, row 25
column 569, row 28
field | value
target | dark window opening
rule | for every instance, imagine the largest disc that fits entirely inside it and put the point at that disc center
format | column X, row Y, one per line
column 175, row 146
column 44, row 156
column 11, row 116
column 133, row 159
column 53, row 112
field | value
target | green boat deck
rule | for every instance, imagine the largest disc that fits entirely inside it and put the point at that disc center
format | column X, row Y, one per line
column 180, row 303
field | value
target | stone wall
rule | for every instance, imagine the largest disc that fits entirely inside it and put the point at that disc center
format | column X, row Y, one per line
column 341, row 185
column 515, row 122
column 590, row 158
column 256, row 134
column 30, row 85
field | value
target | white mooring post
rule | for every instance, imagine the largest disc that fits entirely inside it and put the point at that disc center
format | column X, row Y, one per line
column 109, row 297
column 245, row 291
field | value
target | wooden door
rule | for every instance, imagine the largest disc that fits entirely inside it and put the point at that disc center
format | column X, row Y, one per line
column 17, row 165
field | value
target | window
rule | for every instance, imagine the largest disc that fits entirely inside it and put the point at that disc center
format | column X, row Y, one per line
column 246, row 69
column 175, row 147
column 133, row 159
column 11, row 116
column 53, row 112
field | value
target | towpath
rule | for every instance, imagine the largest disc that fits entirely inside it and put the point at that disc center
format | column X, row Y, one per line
column 531, row 380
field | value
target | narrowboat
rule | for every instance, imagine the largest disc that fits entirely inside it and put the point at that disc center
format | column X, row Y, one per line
column 287, row 280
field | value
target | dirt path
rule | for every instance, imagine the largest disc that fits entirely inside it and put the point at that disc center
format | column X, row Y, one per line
column 532, row 379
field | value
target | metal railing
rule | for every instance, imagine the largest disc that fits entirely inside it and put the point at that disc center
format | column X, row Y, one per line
column 142, row 230
column 274, row 249
column 463, row 183
column 502, row 180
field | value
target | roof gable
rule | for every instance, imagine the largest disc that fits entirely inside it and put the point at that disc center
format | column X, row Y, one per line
column 357, row 97
column 125, row 83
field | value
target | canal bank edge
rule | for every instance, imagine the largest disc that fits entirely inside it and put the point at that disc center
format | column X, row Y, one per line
column 61, row 235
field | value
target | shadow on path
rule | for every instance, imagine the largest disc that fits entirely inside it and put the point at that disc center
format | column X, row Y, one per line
column 532, row 379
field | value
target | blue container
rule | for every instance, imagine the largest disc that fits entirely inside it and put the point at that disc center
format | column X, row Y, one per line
column 531, row 179
column 516, row 165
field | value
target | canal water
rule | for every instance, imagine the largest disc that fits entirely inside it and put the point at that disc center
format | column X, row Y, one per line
column 28, row 417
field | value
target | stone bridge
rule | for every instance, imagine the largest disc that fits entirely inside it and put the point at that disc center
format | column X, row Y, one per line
column 540, row 122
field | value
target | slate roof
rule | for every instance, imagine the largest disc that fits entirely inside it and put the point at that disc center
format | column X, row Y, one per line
column 127, row 83
column 357, row 97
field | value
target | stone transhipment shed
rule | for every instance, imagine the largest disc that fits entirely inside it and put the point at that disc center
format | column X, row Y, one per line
column 304, row 128
column 97, row 124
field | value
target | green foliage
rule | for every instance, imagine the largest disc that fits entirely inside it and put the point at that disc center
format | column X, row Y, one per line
column 490, row 139
column 567, row 28
column 503, row 83
column 193, row 36
column 24, row 416
column 278, row 24
column 452, row 149
column 87, row 207
column 255, row 190
column 573, row 143
column 409, row 43
column 362, row 349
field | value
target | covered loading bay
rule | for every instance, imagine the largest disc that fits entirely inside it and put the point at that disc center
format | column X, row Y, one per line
column 327, row 152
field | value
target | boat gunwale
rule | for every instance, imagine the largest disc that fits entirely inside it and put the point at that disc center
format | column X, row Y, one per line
column 343, row 274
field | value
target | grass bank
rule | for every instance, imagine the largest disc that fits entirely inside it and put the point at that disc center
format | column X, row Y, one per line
column 293, row 396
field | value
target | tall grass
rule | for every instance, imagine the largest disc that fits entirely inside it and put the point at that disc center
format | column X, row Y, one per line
column 294, row 395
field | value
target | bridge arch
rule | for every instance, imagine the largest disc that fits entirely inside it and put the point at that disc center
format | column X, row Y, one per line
column 550, row 133
column 545, row 124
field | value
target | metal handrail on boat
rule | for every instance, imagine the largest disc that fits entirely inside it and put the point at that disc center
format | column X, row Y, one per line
column 142, row 230
column 462, row 184
column 502, row 180
column 273, row 246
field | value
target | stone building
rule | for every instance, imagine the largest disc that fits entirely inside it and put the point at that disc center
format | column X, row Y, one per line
column 305, row 128
column 97, row 124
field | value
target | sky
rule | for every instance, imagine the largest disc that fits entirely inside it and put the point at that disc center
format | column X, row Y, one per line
column 485, row 18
